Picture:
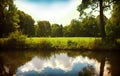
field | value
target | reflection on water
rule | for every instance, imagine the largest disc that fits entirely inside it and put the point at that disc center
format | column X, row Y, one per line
column 57, row 63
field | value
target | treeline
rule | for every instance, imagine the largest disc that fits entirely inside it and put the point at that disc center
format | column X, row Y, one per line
column 12, row 19
column 88, row 27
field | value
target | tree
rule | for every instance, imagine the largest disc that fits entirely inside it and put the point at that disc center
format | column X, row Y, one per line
column 43, row 29
column 56, row 30
column 93, row 4
column 66, row 31
column 26, row 23
column 73, row 29
column 12, row 19
column 113, row 25
column 89, row 27
column 8, row 17
column 61, row 30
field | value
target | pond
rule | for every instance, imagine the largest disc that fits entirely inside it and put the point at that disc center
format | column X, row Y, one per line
column 59, row 63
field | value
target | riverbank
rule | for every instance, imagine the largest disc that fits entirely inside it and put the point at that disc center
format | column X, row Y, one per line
column 57, row 43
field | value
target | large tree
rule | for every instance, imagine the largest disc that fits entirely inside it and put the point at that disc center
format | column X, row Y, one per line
column 113, row 25
column 56, row 30
column 43, row 29
column 93, row 4
column 26, row 23
column 89, row 27
column 73, row 29
column 8, row 17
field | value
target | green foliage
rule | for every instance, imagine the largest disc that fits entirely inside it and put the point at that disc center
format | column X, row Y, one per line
column 113, row 25
column 16, row 40
column 73, row 29
column 13, row 18
column 93, row 4
column 45, row 45
column 96, row 44
column 72, row 44
column 56, row 30
column 26, row 23
column 86, row 28
column 61, row 43
column 8, row 17
column 43, row 29
column 89, row 27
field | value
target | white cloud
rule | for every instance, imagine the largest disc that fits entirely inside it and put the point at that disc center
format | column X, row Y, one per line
column 57, row 13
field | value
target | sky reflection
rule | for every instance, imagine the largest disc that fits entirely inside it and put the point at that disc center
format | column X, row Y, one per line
column 56, row 65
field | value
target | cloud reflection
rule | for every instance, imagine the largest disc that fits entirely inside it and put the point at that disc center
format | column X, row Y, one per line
column 57, row 64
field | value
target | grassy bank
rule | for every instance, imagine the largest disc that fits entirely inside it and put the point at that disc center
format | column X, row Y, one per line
column 61, row 43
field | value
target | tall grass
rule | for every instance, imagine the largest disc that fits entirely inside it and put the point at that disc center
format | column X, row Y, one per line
column 61, row 43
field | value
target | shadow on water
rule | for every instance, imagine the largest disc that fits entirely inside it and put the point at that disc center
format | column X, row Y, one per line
column 114, row 60
column 11, row 60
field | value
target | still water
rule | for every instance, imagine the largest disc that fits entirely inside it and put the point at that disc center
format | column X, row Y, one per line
column 59, row 63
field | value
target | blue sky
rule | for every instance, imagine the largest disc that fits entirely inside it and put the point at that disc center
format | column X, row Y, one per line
column 47, row 1
column 55, row 11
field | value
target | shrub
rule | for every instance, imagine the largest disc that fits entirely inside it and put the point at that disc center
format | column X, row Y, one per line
column 95, row 44
column 45, row 45
column 16, row 40
column 71, row 44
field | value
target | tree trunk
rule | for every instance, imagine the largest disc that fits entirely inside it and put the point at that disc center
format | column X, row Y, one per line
column 102, row 23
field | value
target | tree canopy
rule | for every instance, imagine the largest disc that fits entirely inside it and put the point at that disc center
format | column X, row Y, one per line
column 26, row 23
column 113, row 25
column 8, row 17
column 93, row 4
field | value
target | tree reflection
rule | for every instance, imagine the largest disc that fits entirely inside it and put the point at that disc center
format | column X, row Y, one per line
column 102, row 64
column 2, row 70
column 13, row 59
column 87, row 71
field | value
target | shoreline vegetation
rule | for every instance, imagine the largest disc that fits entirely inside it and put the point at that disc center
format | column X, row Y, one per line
column 57, row 43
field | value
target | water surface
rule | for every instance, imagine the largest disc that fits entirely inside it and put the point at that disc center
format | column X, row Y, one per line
column 60, row 63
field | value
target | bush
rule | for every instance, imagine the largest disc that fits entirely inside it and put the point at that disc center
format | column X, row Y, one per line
column 45, row 45
column 96, row 44
column 16, row 40
column 71, row 44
